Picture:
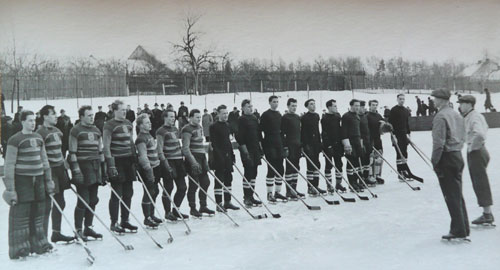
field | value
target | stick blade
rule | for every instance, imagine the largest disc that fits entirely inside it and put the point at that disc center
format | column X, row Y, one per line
column 129, row 247
column 314, row 208
column 276, row 216
column 364, row 198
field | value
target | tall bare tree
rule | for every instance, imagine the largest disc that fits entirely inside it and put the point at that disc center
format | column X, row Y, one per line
column 189, row 49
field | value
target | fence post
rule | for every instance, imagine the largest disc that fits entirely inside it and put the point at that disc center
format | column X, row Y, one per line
column 228, row 86
column 261, row 87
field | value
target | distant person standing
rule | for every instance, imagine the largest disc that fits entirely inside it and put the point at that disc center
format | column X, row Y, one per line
column 99, row 118
column 206, row 121
column 64, row 125
column 257, row 114
column 130, row 114
column 233, row 121
column 3, row 105
column 214, row 115
column 182, row 115
column 448, row 134
column 110, row 114
column 487, row 102
column 387, row 113
column 432, row 107
column 157, row 120
column 477, row 157
column 419, row 107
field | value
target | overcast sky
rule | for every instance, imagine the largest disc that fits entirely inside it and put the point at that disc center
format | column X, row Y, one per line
column 428, row 30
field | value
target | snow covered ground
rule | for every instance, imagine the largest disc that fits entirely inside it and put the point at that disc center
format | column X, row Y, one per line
column 400, row 229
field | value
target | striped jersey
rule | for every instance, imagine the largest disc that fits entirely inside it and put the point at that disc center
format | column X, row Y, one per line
column 150, row 142
column 171, row 144
column 87, row 140
column 196, row 134
column 52, row 138
column 121, row 134
column 30, row 160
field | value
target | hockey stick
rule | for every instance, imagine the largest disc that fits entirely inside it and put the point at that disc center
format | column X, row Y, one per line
column 392, row 168
column 126, row 247
column 238, row 201
column 421, row 154
column 405, row 161
column 90, row 257
column 361, row 197
column 324, row 177
column 212, row 199
column 253, row 190
column 361, row 179
column 314, row 207
column 133, row 216
column 156, row 208
column 311, row 185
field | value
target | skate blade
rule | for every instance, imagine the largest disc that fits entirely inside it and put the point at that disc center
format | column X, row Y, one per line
column 64, row 243
column 130, row 231
column 119, row 233
column 151, row 228
column 484, row 226
column 456, row 240
column 207, row 215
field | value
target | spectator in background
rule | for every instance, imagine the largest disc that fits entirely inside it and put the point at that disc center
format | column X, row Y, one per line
column 130, row 115
column 419, row 107
column 206, row 121
column 99, row 118
column 409, row 110
column 157, row 120
column 233, row 121
column 3, row 105
column 432, row 107
column 147, row 110
column 256, row 114
column 17, row 115
column 424, row 108
column 162, row 107
column 214, row 114
column 182, row 115
column 38, row 121
column 387, row 112
column 6, row 132
column 487, row 102
column 139, row 111
column 64, row 125
column 110, row 114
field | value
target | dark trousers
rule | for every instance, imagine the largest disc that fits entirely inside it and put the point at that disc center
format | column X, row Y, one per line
column 168, row 183
column 89, row 195
column 449, row 171
column 312, row 164
column 56, row 214
column 275, row 158
column 202, row 179
column 226, row 177
column 353, row 165
column 291, row 175
column 337, row 160
column 123, row 186
column 151, row 189
column 401, row 160
column 478, row 162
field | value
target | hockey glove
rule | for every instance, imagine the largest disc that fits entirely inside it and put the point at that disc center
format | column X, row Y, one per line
column 196, row 168
column 104, row 174
column 77, row 177
column 50, row 187
column 347, row 146
column 112, row 173
column 150, row 178
column 286, row 152
column 10, row 197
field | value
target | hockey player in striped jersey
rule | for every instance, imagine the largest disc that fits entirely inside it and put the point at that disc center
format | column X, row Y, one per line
column 196, row 163
column 119, row 151
column 27, row 181
column 88, row 169
column 172, row 165
column 149, row 168
column 52, row 137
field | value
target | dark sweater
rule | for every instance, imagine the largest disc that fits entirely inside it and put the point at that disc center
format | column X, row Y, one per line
column 331, row 132
column 399, row 120
column 270, row 124
column 290, row 129
column 310, row 130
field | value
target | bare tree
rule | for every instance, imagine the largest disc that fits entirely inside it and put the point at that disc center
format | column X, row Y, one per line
column 189, row 51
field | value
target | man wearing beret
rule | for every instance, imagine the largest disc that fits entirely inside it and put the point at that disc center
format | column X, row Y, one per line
column 448, row 134
column 477, row 157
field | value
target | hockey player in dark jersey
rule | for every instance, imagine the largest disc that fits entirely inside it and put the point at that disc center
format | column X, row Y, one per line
column 27, row 181
column 196, row 163
column 398, row 118
column 270, row 125
column 52, row 138
column 375, row 123
column 222, row 158
column 120, row 153
column 311, row 145
column 172, row 165
column 351, row 140
column 88, row 169
column 366, row 145
column 290, row 131
column 149, row 168
column 331, row 134
column 249, row 137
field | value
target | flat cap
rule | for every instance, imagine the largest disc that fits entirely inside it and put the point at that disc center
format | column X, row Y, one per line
column 467, row 99
column 441, row 93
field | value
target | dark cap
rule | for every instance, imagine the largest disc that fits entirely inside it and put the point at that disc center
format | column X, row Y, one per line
column 441, row 93
column 100, row 107
column 156, row 104
column 307, row 102
column 467, row 99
